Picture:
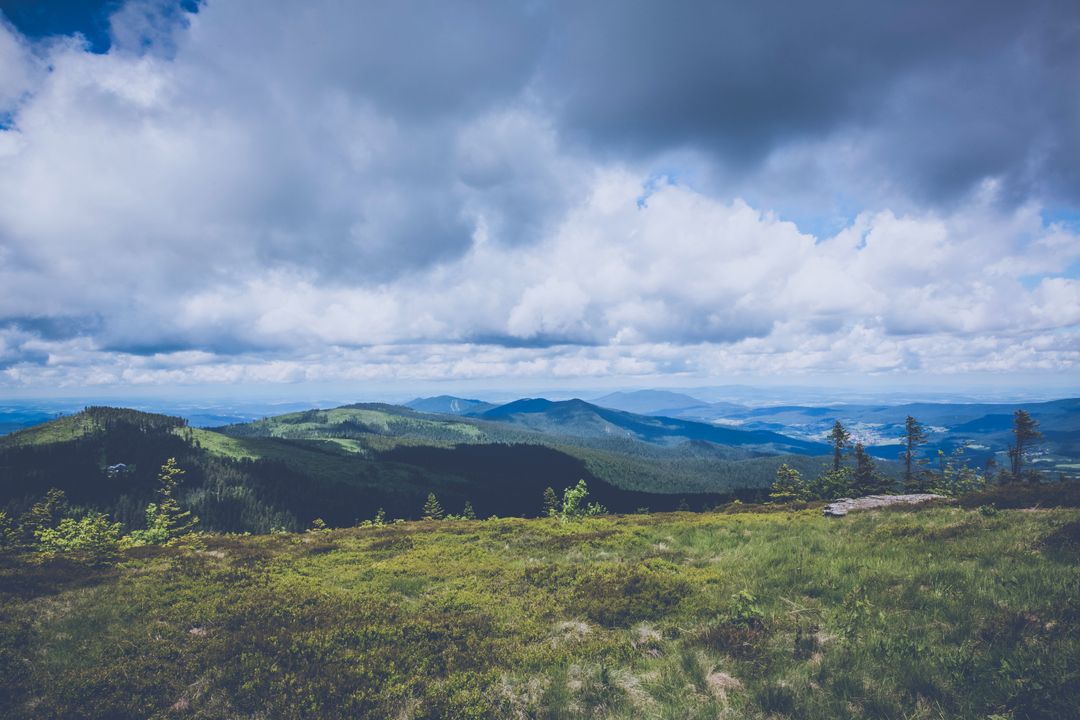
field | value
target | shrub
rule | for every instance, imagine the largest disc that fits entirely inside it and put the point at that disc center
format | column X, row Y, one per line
column 92, row 539
column 573, row 503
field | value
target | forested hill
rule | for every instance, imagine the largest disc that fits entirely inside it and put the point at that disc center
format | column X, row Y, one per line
column 343, row 464
column 582, row 419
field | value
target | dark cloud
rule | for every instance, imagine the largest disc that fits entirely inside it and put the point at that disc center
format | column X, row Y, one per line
column 54, row 327
column 950, row 93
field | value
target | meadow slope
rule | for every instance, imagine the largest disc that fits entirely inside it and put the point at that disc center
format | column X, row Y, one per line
column 913, row 613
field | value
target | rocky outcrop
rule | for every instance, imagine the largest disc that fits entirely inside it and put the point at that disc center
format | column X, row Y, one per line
column 843, row 506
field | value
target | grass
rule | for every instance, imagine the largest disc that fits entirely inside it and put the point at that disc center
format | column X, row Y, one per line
column 63, row 429
column 917, row 613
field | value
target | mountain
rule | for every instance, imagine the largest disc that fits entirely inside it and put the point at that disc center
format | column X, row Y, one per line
column 448, row 405
column 581, row 419
column 985, row 428
column 343, row 464
column 647, row 402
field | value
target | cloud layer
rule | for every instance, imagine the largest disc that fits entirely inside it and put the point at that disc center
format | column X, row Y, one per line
column 543, row 190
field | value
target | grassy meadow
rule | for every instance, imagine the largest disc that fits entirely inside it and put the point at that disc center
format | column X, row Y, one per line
column 935, row 612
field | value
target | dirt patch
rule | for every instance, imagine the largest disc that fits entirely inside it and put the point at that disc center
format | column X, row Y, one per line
column 720, row 684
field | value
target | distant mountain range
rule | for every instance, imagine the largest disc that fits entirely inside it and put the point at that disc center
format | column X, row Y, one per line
column 983, row 428
column 343, row 463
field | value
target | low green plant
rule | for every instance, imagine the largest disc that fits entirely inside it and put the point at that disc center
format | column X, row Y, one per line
column 745, row 609
column 92, row 539
column 574, row 506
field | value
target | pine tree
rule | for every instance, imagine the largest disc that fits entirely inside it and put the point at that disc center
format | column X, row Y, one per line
column 467, row 513
column 832, row 484
column 914, row 436
column 176, row 521
column 45, row 513
column 164, row 519
column 551, row 502
column 432, row 509
column 1025, row 433
column 789, row 485
column 839, row 438
column 865, row 480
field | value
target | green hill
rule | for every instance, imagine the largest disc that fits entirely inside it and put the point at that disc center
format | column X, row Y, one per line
column 343, row 464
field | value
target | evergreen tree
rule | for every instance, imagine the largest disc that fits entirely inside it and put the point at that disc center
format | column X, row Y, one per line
column 955, row 477
column 467, row 513
column 914, row 436
column 432, row 509
column 865, row 479
column 7, row 531
column 839, row 438
column 1025, row 433
column 551, row 502
column 789, row 485
column 833, row 484
column 164, row 519
column 45, row 513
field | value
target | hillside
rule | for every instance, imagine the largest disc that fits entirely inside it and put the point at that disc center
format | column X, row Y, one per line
column 448, row 405
column 927, row 613
column 578, row 418
column 342, row 465
column 647, row 402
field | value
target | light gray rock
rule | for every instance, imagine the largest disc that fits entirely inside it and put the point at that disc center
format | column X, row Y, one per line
column 843, row 506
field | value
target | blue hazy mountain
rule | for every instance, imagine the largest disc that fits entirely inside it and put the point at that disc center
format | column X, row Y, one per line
column 577, row 418
column 650, row 402
column 448, row 405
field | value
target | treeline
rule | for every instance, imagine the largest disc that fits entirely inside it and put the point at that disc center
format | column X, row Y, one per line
column 52, row 527
column 854, row 473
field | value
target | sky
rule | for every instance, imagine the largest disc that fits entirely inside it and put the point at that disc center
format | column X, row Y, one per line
column 239, row 194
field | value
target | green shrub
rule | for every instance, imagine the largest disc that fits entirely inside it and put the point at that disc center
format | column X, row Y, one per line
column 92, row 539
column 573, row 503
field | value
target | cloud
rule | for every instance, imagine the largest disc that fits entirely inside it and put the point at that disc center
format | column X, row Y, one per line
column 931, row 98
column 321, row 191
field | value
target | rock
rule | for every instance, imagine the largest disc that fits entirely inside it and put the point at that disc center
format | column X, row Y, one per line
column 843, row 506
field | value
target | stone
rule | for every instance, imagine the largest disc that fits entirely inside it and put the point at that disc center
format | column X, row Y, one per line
column 843, row 506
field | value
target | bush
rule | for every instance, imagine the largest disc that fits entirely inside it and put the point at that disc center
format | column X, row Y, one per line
column 573, row 503
column 93, row 539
